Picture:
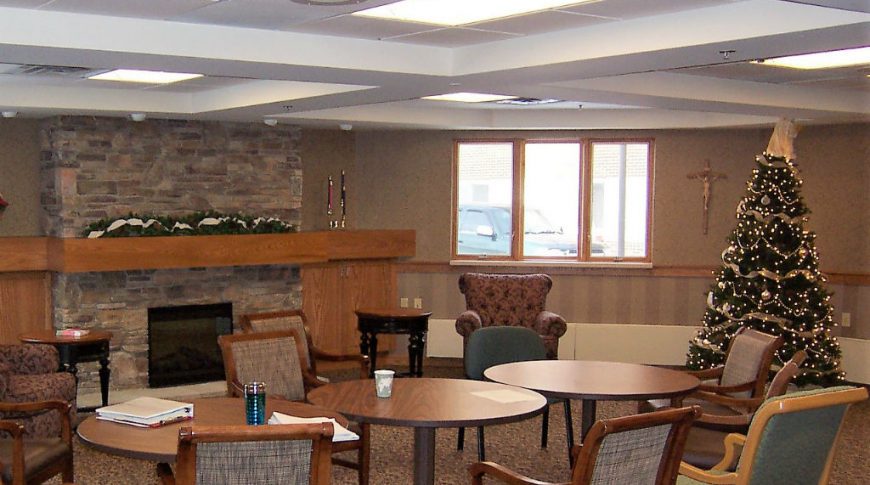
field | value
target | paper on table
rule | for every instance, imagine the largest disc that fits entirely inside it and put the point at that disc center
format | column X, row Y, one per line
column 339, row 433
column 504, row 396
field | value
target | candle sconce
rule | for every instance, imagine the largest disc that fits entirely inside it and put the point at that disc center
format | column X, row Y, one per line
column 342, row 222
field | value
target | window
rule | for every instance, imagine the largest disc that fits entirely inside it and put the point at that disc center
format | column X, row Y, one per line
column 567, row 199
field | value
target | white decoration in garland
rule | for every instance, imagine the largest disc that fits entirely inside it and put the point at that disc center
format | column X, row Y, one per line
column 116, row 225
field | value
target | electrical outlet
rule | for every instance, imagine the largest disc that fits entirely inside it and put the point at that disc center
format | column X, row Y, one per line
column 846, row 320
column 403, row 302
column 418, row 303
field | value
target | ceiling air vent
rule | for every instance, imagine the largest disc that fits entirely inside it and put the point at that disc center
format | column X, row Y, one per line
column 53, row 71
column 528, row 101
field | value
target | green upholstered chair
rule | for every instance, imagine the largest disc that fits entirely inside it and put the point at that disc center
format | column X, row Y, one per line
column 491, row 346
column 705, row 446
column 791, row 441
column 278, row 359
column 638, row 449
column 293, row 454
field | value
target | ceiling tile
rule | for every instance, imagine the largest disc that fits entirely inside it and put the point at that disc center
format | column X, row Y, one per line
column 540, row 23
column 152, row 9
column 362, row 27
column 627, row 9
column 452, row 37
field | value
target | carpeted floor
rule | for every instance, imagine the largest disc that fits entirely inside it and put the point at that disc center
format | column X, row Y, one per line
column 509, row 444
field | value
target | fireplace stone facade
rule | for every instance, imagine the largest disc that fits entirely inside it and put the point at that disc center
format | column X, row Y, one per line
column 96, row 167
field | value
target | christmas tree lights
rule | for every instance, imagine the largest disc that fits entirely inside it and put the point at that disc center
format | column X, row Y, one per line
column 769, row 280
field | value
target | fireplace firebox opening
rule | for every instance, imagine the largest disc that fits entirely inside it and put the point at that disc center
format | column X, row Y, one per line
column 182, row 343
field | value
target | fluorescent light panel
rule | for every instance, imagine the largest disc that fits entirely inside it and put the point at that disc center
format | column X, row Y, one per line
column 145, row 77
column 460, row 12
column 823, row 60
column 468, row 97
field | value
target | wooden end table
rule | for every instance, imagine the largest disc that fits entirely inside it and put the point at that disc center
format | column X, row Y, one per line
column 415, row 323
column 88, row 348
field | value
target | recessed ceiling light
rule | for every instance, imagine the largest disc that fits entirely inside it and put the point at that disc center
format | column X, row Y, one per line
column 468, row 97
column 822, row 60
column 460, row 12
column 146, row 77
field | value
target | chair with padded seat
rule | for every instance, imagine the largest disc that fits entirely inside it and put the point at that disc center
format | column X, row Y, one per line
column 515, row 300
column 743, row 376
column 791, row 440
column 642, row 448
column 29, row 460
column 292, row 454
column 296, row 320
column 276, row 359
column 705, row 446
column 29, row 373
column 491, row 346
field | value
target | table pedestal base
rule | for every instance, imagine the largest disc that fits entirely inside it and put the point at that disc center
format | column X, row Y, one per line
column 424, row 456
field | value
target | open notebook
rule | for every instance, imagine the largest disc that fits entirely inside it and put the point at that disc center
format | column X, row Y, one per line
column 340, row 433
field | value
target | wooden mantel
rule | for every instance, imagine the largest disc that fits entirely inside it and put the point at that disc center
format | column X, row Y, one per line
column 131, row 253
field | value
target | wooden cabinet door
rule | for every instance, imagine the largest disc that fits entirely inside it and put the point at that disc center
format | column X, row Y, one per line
column 330, row 294
column 25, row 304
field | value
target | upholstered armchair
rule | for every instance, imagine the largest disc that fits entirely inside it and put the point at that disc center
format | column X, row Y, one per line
column 29, row 373
column 512, row 300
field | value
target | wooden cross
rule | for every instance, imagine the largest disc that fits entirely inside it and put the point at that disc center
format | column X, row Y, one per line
column 707, row 177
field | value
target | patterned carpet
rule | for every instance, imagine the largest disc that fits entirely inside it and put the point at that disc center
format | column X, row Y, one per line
column 392, row 458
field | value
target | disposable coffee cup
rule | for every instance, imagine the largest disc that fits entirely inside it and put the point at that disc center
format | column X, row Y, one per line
column 384, row 382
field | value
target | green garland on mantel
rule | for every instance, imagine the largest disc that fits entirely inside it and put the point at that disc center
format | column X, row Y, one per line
column 207, row 223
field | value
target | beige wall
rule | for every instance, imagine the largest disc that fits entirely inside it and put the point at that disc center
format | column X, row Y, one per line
column 325, row 153
column 402, row 179
column 19, row 177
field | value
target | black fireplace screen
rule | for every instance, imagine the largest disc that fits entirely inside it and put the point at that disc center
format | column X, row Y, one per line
column 182, row 343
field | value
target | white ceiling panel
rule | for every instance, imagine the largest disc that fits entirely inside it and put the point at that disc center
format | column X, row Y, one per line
column 362, row 28
column 629, row 9
column 453, row 37
column 541, row 22
column 151, row 9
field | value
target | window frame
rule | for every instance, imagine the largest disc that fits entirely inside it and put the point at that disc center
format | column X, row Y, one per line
column 584, row 236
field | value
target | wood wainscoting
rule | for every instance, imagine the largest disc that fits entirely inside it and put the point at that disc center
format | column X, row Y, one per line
column 25, row 304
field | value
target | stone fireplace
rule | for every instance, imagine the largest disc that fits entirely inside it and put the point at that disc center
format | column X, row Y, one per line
column 95, row 168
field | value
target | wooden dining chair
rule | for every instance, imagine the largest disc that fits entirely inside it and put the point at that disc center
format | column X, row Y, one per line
column 296, row 320
column 643, row 448
column 276, row 359
column 705, row 445
column 26, row 460
column 291, row 454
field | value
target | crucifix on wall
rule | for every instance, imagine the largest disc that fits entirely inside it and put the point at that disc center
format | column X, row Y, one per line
column 707, row 177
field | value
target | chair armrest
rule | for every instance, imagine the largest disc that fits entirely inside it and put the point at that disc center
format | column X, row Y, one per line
column 235, row 389
column 467, row 322
column 745, row 386
column 364, row 360
column 27, row 408
column 550, row 324
column 748, row 404
column 13, row 428
column 712, row 373
column 696, row 473
column 734, row 443
column 506, row 475
column 310, row 381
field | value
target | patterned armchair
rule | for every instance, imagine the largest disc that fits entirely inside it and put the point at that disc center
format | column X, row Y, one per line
column 512, row 300
column 29, row 373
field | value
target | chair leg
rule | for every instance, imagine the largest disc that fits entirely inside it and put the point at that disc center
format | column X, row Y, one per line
column 569, row 431
column 481, row 451
column 68, row 470
column 545, row 426
column 460, row 439
column 364, row 454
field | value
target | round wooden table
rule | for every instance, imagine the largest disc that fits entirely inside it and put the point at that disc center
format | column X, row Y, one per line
column 415, row 323
column 591, row 381
column 426, row 404
column 91, row 347
column 161, row 444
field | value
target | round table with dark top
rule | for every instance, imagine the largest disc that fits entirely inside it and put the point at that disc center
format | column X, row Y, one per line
column 415, row 323
column 94, row 346
column 593, row 381
column 426, row 404
column 161, row 444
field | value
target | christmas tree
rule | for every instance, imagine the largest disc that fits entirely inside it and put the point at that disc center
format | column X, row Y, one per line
column 769, row 279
